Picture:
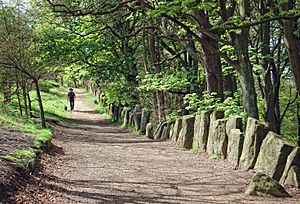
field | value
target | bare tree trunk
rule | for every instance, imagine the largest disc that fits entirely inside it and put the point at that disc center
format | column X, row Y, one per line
column 212, row 60
column 213, row 70
column 39, row 98
column 24, row 91
column 62, row 81
column 19, row 100
column 298, row 122
column 153, row 47
column 293, row 44
column 229, row 84
column 270, row 117
column 241, row 42
column 29, row 105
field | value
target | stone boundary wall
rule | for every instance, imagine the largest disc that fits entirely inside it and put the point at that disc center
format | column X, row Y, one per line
column 253, row 148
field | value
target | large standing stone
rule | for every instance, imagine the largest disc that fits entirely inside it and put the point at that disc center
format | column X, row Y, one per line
column 126, row 113
column 235, row 146
column 215, row 115
column 110, row 109
column 137, row 115
column 137, row 120
column 254, row 135
column 292, row 160
column 115, row 113
column 234, row 122
column 219, row 140
column 187, row 134
column 122, row 114
column 165, row 132
column 261, row 184
column 273, row 155
column 131, row 121
column 149, row 131
column 201, row 130
column 145, row 119
column 120, row 118
column 171, row 131
column 293, row 177
column 177, row 128
column 159, row 130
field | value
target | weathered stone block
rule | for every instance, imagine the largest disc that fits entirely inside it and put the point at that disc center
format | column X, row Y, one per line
column 234, row 122
column 273, row 155
column 110, row 109
column 219, row 140
column 137, row 116
column 187, row 134
column 201, row 131
column 235, row 146
column 293, row 177
column 215, row 115
column 165, row 132
column 145, row 119
column 159, row 130
column 126, row 120
column 261, row 184
column 120, row 118
column 150, row 131
column 254, row 135
column 177, row 128
column 171, row 131
column 115, row 113
column 131, row 121
column 292, row 160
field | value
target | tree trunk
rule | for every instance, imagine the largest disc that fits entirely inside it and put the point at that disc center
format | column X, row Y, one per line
column 276, row 82
column 19, row 100
column 270, row 117
column 229, row 84
column 211, row 59
column 29, row 105
column 24, row 91
column 293, row 44
column 244, row 68
column 298, row 122
column 62, row 81
column 213, row 70
column 153, row 47
column 39, row 98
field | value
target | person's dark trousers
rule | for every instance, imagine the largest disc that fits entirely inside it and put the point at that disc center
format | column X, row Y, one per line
column 71, row 105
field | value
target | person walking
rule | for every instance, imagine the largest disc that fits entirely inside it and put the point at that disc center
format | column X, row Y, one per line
column 71, row 98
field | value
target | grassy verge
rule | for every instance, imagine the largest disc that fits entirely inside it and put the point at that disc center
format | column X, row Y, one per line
column 54, row 102
column 102, row 110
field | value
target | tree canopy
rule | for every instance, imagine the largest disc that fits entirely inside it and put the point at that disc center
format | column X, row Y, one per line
column 241, row 56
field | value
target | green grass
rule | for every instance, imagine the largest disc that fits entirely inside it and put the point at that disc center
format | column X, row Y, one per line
column 23, row 158
column 102, row 110
column 53, row 102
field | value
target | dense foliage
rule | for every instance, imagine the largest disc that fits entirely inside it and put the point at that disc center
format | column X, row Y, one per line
column 241, row 56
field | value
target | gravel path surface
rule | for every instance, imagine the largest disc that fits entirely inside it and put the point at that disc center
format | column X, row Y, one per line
column 94, row 161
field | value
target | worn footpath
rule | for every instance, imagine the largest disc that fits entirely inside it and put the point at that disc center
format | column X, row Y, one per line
column 94, row 161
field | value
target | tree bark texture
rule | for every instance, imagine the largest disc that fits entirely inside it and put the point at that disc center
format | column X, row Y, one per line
column 153, row 47
column 40, row 102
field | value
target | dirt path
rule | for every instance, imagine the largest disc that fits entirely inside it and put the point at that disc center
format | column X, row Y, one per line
column 96, row 162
